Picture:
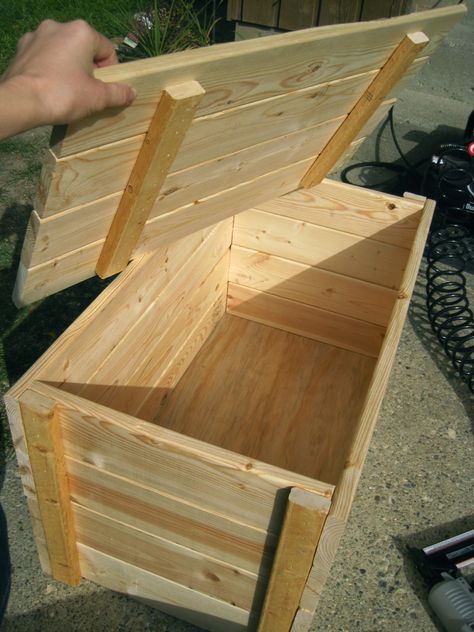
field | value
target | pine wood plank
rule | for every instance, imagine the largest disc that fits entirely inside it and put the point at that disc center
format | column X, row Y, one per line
column 122, row 382
column 97, row 173
column 223, row 482
column 168, row 517
column 299, row 14
column 343, row 207
column 79, row 265
column 332, row 250
column 168, row 127
column 297, row 544
column 270, row 395
column 305, row 320
column 347, row 486
column 242, row 72
column 199, row 609
column 311, row 286
column 383, row 83
column 165, row 558
column 15, row 421
column 46, row 454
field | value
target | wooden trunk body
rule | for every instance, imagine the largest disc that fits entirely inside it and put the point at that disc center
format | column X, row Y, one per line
column 212, row 378
column 196, row 437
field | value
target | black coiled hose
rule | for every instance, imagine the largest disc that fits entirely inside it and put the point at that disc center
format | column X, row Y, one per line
column 450, row 250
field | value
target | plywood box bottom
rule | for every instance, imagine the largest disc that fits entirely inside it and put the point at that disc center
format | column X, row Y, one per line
column 196, row 437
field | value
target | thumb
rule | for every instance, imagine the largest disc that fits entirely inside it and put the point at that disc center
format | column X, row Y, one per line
column 113, row 95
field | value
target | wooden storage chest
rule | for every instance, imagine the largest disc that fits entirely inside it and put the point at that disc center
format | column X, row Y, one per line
column 196, row 437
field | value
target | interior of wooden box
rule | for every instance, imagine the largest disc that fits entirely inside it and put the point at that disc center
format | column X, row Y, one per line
column 260, row 334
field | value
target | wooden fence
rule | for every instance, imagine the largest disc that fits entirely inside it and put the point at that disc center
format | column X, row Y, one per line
column 299, row 14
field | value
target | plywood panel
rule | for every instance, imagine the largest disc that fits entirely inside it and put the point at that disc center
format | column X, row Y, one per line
column 273, row 396
column 310, row 285
column 305, row 320
column 349, row 255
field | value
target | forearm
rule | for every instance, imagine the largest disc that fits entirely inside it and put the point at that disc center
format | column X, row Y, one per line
column 20, row 107
column 51, row 80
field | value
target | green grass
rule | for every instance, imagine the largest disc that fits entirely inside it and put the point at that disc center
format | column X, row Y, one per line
column 20, row 16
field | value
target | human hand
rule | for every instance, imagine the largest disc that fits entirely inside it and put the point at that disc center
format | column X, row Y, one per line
column 51, row 76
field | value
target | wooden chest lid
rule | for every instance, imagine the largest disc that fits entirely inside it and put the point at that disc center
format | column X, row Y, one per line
column 213, row 131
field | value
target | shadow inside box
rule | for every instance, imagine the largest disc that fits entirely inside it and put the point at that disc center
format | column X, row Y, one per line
column 98, row 611
column 420, row 540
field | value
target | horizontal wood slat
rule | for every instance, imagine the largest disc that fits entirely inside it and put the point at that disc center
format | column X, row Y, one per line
column 310, row 285
column 79, row 265
column 168, row 517
column 294, row 61
column 305, row 320
column 167, row 559
column 223, row 482
column 347, row 486
column 385, row 218
column 154, row 337
column 161, row 593
column 183, row 352
column 335, row 251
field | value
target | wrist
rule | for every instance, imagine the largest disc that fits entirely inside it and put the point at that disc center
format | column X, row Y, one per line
column 21, row 105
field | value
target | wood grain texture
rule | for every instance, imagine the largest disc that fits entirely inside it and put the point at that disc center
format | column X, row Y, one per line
column 296, row 547
column 350, row 209
column 234, row 9
column 223, row 482
column 181, row 359
column 311, row 286
column 165, row 558
column 167, row 517
column 15, row 422
column 270, row 395
column 46, row 454
column 383, row 83
column 346, row 488
column 332, row 250
column 304, row 320
column 158, row 335
column 247, row 71
column 79, row 264
column 168, row 127
column 174, row 599
column 95, row 174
